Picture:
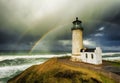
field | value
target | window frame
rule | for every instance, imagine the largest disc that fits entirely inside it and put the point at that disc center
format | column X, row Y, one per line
column 86, row 55
column 92, row 56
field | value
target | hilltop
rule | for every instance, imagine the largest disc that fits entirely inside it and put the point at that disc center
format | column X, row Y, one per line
column 56, row 71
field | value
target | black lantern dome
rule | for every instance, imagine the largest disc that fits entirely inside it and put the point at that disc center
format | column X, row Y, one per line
column 77, row 24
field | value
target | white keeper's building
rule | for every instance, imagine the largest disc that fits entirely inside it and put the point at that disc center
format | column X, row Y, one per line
column 79, row 53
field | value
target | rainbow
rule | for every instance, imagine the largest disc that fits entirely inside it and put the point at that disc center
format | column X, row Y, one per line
column 45, row 35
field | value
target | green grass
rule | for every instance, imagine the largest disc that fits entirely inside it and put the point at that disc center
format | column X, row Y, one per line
column 114, row 63
column 53, row 71
column 106, row 79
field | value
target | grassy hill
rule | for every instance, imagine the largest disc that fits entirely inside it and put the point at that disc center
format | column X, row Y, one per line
column 53, row 71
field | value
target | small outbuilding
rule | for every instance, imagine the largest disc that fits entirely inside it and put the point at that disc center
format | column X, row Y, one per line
column 92, row 56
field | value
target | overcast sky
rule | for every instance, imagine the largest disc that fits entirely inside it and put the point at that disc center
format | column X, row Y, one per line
column 45, row 25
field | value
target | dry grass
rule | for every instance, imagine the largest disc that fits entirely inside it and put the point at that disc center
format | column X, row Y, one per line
column 53, row 71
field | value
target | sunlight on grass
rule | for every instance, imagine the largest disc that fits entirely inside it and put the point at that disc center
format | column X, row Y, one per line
column 52, row 71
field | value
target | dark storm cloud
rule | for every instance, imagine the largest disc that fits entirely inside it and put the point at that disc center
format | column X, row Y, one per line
column 106, row 38
column 8, row 36
column 112, row 33
column 113, row 14
column 24, row 22
column 60, row 47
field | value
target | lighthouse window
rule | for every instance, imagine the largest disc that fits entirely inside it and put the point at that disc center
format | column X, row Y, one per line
column 92, row 56
column 86, row 56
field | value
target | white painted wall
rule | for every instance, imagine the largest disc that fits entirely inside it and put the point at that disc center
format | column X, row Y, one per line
column 98, row 52
column 97, row 56
column 77, row 41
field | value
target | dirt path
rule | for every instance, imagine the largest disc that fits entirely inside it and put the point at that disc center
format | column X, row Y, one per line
column 105, row 69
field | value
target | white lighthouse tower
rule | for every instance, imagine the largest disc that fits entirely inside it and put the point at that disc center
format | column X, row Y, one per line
column 77, row 40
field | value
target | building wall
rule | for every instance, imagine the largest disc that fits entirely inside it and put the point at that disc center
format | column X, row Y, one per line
column 98, row 52
column 89, row 57
column 77, row 41
column 92, row 57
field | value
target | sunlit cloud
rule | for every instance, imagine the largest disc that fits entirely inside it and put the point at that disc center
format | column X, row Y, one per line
column 65, row 42
column 88, row 43
column 101, row 28
column 98, row 34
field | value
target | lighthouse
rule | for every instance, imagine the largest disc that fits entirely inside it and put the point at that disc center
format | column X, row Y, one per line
column 77, row 39
column 79, row 53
